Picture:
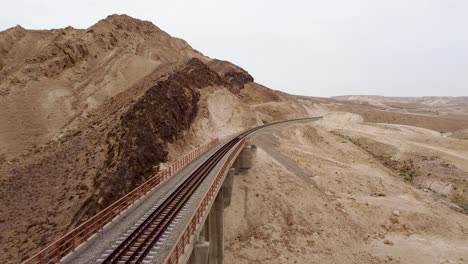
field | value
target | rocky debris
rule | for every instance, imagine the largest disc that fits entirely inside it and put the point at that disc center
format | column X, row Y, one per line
column 388, row 242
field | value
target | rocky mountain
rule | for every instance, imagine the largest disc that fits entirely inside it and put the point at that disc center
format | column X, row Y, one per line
column 87, row 115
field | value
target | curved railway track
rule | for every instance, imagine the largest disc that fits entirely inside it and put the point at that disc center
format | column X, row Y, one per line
column 140, row 242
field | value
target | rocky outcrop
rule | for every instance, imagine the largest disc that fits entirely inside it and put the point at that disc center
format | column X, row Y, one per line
column 234, row 76
column 160, row 116
column 58, row 56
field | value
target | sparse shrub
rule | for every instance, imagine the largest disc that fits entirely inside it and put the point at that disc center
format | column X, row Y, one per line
column 408, row 170
column 445, row 164
column 3, row 158
column 465, row 207
column 461, row 201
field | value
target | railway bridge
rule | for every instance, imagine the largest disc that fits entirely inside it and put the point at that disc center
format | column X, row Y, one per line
column 174, row 217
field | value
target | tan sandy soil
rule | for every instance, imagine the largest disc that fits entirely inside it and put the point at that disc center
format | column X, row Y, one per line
column 437, row 123
column 424, row 111
column 315, row 197
column 420, row 156
column 420, row 102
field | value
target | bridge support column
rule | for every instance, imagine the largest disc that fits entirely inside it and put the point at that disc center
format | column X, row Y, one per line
column 236, row 166
column 208, row 247
column 245, row 156
column 227, row 186
column 215, row 226
column 200, row 253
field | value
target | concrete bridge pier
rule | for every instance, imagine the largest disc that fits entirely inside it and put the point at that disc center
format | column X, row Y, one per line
column 235, row 166
column 227, row 186
column 208, row 245
column 200, row 252
column 215, row 230
column 245, row 156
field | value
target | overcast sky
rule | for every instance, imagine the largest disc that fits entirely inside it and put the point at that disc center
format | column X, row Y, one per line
column 315, row 47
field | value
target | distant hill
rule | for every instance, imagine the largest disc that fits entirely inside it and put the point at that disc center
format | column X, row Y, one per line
column 425, row 100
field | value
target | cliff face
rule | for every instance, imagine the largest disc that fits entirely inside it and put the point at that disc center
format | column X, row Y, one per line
column 159, row 117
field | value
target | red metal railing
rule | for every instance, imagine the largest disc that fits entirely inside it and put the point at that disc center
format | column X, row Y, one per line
column 68, row 243
column 184, row 239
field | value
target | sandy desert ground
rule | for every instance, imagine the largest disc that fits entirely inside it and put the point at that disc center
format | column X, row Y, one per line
column 314, row 195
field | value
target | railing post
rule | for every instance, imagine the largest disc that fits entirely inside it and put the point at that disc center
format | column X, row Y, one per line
column 73, row 234
column 57, row 252
column 100, row 224
column 86, row 234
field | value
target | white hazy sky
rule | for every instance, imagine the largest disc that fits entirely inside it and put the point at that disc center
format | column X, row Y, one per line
column 315, row 47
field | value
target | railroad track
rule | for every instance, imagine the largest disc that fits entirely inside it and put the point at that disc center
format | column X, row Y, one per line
column 139, row 243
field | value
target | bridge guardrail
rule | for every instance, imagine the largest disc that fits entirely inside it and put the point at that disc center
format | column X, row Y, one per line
column 184, row 239
column 54, row 252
